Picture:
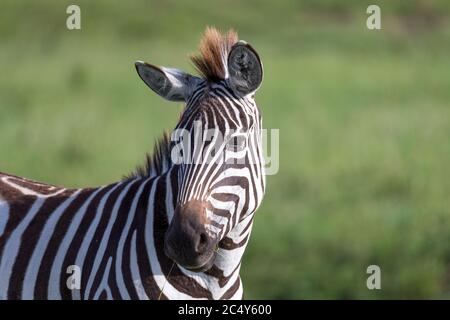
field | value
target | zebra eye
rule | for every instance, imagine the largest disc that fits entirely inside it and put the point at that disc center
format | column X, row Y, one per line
column 237, row 143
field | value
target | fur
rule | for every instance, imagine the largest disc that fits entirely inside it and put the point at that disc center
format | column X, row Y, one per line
column 211, row 62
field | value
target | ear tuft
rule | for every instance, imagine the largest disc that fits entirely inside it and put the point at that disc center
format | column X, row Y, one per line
column 244, row 68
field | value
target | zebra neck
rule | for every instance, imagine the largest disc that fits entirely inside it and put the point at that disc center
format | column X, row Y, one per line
column 224, row 277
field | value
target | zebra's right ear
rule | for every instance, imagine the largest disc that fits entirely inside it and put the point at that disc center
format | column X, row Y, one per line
column 171, row 84
column 245, row 68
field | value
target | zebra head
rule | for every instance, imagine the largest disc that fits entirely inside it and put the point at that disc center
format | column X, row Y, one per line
column 220, row 180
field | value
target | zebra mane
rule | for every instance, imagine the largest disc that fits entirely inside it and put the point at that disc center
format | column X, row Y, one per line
column 214, row 47
column 156, row 163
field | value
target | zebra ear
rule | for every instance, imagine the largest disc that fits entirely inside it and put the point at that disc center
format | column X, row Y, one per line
column 245, row 68
column 171, row 84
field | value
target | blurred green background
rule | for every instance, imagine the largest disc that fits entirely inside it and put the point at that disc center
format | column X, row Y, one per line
column 364, row 119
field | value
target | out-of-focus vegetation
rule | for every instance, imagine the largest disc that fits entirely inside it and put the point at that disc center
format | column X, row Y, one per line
column 364, row 119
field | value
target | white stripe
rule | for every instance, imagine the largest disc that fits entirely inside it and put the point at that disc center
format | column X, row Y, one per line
column 12, row 247
column 119, row 253
column 169, row 197
column 55, row 273
column 105, row 240
column 135, row 275
column 239, row 292
column 29, row 281
column 104, row 283
column 4, row 216
column 29, row 192
column 81, row 255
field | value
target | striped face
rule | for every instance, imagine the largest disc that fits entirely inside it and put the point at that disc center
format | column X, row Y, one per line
column 216, row 155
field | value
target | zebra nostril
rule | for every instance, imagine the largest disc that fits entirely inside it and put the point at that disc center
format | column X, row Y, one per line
column 202, row 244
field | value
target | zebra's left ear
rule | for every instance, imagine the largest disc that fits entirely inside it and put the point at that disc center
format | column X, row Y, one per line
column 171, row 84
column 245, row 68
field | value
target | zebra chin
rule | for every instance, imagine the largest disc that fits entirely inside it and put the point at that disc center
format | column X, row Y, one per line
column 200, row 263
column 203, row 268
column 187, row 241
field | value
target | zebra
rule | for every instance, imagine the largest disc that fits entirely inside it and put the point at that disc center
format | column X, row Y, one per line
column 170, row 229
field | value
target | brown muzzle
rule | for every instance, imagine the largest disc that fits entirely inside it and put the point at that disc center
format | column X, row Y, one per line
column 186, row 239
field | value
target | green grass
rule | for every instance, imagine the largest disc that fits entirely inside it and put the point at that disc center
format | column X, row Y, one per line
column 364, row 123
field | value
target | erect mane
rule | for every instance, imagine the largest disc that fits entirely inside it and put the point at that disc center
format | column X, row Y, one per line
column 157, row 163
column 211, row 62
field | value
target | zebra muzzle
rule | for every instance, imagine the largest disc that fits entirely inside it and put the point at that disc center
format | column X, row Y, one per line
column 186, row 241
